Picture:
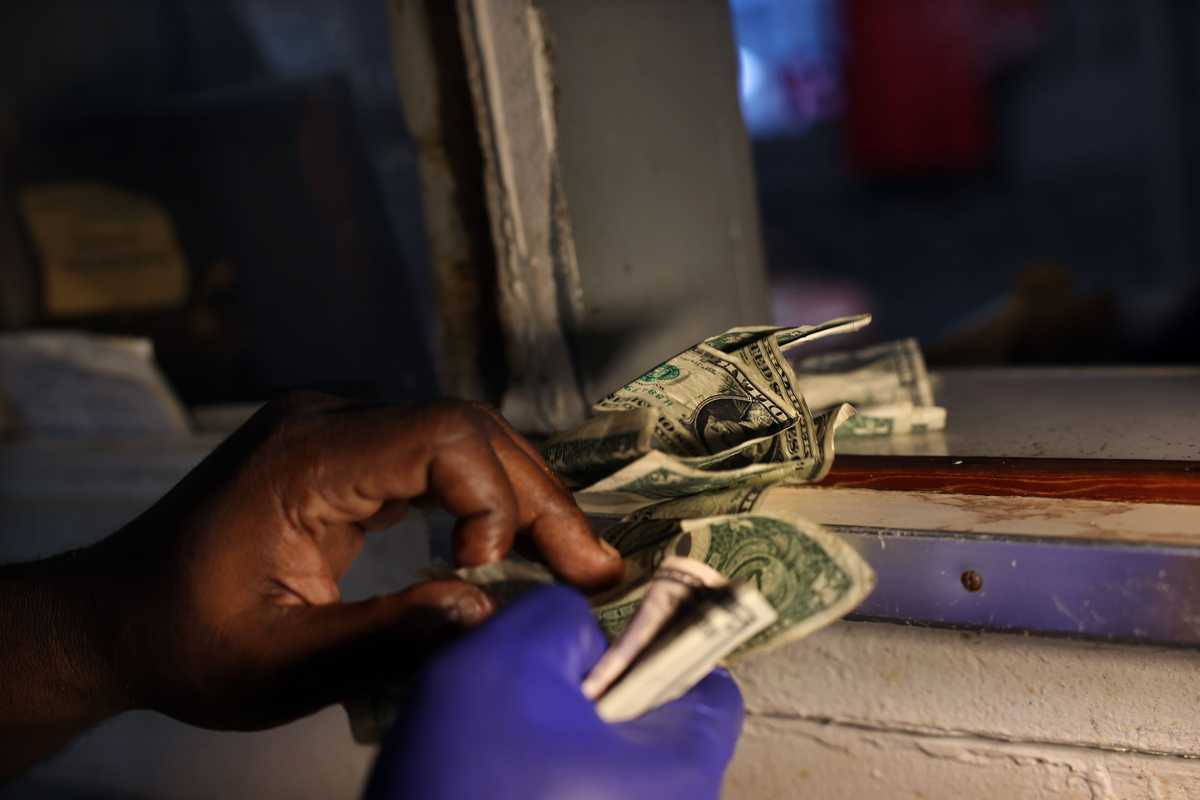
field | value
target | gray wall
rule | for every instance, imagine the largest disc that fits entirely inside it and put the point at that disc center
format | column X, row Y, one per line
column 658, row 177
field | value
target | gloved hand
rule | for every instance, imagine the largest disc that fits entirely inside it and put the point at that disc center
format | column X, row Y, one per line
column 500, row 715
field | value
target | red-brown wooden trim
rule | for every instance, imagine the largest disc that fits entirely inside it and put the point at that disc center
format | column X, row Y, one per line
column 1085, row 479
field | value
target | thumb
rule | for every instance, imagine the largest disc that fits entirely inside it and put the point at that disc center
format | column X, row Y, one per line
column 702, row 726
column 326, row 653
column 550, row 629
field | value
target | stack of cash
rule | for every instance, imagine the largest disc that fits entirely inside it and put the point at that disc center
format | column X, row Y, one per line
column 688, row 618
column 673, row 468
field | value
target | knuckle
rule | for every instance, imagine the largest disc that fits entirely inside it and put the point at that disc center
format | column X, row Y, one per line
column 488, row 413
column 435, row 595
column 281, row 415
column 458, row 419
column 285, row 437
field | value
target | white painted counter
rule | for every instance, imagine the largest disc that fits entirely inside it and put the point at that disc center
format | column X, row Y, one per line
column 1095, row 412
column 864, row 710
column 870, row 710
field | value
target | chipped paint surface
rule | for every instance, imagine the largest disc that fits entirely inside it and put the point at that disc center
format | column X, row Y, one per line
column 797, row 758
column 506, row 49
column 1160, row 523
column 873, row 710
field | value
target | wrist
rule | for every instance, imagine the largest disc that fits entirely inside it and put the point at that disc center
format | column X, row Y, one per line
column 90, row 633
column 60, row 621
column 57, row 659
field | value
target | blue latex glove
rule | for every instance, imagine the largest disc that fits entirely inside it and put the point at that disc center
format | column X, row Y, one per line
column 500, row 715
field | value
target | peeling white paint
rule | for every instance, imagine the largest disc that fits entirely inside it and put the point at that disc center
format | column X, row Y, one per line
column 874, row 710
column 999, row 687
column 513, row 89
column 801, row 758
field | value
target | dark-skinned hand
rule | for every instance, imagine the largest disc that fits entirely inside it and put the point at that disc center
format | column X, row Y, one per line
column 220, row 605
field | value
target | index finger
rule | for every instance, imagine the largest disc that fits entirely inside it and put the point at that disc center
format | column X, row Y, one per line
column 561, row 531
column 480, row 470
column 368, row 460
column 525, row 445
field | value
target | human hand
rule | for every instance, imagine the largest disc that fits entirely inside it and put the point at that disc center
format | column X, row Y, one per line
column 500, row 714
column 228, row 612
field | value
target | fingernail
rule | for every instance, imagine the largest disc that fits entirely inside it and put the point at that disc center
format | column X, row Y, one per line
column 608, row 548
column 471, row 607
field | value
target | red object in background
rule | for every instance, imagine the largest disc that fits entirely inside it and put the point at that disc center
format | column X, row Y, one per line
column 915, row 86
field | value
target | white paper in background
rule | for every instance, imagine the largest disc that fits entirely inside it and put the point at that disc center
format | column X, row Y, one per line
column 69, row 384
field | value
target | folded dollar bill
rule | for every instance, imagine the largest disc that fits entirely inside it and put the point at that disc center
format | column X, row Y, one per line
column 887, row 384
column 690, row 618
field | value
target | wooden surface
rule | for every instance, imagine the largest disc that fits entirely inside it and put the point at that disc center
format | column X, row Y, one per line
column 993, row 515
column 1139, row 481
column 1123, row 434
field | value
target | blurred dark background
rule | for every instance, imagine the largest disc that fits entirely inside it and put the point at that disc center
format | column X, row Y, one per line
column 271, row 133
column 1012, row 181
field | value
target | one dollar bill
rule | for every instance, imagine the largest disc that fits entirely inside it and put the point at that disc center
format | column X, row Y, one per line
column 888, row 384
column 723, row 412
